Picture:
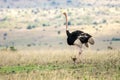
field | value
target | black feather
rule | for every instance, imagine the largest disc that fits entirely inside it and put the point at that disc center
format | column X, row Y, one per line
column 84, row 37
column 74, row 36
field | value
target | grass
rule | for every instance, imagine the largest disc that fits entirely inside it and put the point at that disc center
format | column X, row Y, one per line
column 27, row 68
column 57, row 65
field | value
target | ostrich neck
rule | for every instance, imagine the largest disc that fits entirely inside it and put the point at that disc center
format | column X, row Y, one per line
column 66, row 22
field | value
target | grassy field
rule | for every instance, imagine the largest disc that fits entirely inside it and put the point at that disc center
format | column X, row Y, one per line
column 58, row 65
column 33, row 41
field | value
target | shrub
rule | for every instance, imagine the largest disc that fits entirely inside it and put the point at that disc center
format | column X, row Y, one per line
column 31, row 26
column 58, row 32
column 69, row 23
column 29, row 45
column 12, row 48
column 104, row 21
column 5, row 34
column 95, row 23
column 45, row 24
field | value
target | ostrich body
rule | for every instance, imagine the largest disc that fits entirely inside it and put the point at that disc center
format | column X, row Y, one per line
column 84, row 38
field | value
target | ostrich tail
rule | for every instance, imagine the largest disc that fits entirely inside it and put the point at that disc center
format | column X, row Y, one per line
column 91, row 41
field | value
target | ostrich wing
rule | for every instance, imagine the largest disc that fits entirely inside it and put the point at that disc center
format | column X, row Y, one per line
column 85, row 38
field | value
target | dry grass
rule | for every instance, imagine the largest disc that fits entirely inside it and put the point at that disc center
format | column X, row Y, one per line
column 57, row 65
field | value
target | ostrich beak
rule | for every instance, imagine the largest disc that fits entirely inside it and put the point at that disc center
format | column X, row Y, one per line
column 64, row 13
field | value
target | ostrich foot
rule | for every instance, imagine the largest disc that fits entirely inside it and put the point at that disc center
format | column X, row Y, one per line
column 74, row 59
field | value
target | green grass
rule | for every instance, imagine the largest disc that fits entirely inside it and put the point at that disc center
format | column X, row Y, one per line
column 35, row 65
column 15, row 69
column 97, row 68
column 75, row 70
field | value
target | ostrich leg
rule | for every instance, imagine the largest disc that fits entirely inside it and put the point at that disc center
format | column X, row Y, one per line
column 80, row 51
column 80, row 48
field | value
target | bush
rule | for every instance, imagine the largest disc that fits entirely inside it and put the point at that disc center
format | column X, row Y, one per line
column 58, row 32
column 31, row 26
column 95, row 23
column 44, row 25
column 29, row 45
column 12, row 48
column 69, row 23
column 104, row 21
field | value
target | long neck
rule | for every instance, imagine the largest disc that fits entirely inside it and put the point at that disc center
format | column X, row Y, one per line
column 66, row 22
column 67, row 31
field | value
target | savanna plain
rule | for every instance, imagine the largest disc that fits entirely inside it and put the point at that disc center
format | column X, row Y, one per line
column 33, row 44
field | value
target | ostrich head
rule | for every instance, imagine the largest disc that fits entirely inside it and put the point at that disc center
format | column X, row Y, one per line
column 64, row 13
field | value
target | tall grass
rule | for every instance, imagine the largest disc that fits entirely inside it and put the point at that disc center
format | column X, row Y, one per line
column 57, row 65
column 27, row 57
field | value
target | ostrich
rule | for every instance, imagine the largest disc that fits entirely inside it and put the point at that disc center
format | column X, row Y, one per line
column 84, row 38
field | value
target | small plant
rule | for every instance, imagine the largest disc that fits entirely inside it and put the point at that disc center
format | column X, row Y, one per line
column 12, row 48
column 58, row 32
column 104, row 21
column 95, row 23
column 31, row 26
column 110, row 47
column 43, row 24
column 69, row 23
column 5, row 34
column 60, row 43
column 29, row 45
